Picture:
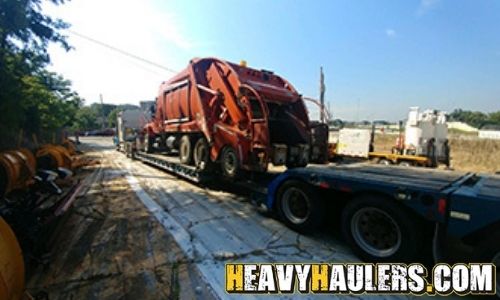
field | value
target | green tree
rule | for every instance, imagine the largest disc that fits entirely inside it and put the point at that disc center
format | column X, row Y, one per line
column 112, row 116
column 494, row 118
column 85, row 119
column 31, row 98
column 473, row 118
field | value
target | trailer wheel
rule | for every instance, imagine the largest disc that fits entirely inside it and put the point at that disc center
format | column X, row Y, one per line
column 404, row 164
column 230, row 163
column 385, row 162
column 201, row 155
column 380, row 230
column 185, row 150
column 489, row 252
column 299, row 206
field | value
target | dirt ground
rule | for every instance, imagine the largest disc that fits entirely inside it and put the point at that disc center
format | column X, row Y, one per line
column 469, row 154
column 110, row 247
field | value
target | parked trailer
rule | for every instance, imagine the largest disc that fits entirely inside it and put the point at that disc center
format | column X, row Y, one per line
column 218, row 113
column 353, row 143
column 394, row 213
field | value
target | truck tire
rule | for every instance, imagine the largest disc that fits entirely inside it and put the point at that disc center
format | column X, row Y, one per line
column 185, row 150
column 299, row 206
column 378, row 229
column 148, row 143
column 489, row 252
column 230, row 163
column 201, row 155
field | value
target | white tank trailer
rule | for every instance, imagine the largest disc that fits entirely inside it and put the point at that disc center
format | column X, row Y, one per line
column 421, row 127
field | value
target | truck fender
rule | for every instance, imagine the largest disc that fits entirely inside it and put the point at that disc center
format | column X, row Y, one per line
column 273, row 187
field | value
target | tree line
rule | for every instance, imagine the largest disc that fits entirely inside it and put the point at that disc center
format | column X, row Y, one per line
column 475, row 118
column 33, row 100
column 96, row 116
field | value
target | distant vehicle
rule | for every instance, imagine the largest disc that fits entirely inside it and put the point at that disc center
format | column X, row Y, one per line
column 101, row 132
column 424, row 142
column 129, row 123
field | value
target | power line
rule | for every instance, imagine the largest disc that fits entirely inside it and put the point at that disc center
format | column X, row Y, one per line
column 121, row 51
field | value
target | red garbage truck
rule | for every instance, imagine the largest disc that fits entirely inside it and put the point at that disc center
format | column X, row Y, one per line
column 220, row 114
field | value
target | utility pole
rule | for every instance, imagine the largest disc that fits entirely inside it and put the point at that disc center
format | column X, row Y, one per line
column 330, row 111
column 102, row 111
column 322, row 95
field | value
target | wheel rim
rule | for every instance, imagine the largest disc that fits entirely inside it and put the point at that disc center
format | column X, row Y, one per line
column 496, row 262
column 230, row 162
column 384, row 162
column 146, row 143
column 296, row 205
column 183, row 150
column 376, row 232
column 200, row 155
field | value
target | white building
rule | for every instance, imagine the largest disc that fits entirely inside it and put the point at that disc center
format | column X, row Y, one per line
column 461, row 126
column 489, row 134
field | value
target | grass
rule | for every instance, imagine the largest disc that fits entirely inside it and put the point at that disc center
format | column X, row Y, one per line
column 468, row 153
column 475, row 155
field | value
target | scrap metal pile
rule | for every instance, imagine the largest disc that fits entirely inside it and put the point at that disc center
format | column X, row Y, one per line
column 36, row 186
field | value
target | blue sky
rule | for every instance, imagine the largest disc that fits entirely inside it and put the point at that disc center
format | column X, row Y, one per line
column 379, row 57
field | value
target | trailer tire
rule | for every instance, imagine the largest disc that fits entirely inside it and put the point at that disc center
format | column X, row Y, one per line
column 201, row 155
column 384, row 162
column 230, row 163
column 299, row 206
column 186, row 150
column 378, row 229
column 489, row 252
column 405, row 164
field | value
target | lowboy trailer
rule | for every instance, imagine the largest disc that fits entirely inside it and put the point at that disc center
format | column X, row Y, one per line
column 396, row 214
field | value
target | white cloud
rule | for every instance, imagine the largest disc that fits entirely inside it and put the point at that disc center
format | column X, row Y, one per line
column 425, row 6
column 391, row 33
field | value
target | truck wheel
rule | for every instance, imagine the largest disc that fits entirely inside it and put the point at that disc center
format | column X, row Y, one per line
column 230, row 163
column 185, row 150
column 299, row 206
column 201, row 155
column 148, row 143
column 380, row 230
column 489, row 252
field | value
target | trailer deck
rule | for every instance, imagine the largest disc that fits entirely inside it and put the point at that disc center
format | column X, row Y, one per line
column 169, row 163
column 401, row 176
